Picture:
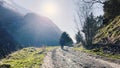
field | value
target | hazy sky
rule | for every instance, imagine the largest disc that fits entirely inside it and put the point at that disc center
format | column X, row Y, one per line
column 61, row 12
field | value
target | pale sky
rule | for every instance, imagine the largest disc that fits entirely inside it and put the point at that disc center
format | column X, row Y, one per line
column 61, row 12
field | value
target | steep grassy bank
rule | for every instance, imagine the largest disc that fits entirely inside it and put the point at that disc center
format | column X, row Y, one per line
column 106, row 41
column 110, row 33
column 108, row 37
column 26, row 58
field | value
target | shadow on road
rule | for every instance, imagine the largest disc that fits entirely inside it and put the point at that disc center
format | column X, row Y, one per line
column 64, row 49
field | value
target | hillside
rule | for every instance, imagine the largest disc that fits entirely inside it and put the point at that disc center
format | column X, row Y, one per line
column 109, row 33
column 28, row 28
column 38, row 30
column 108, row 38
column 7, row 43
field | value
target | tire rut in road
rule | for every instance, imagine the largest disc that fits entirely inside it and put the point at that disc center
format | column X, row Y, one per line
column 59, row 59
column 72, row 60
column 69, row 59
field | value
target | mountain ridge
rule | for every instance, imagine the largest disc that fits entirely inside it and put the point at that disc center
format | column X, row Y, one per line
column 16, row 23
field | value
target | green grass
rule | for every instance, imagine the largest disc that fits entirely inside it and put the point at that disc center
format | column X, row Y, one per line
column 110, row 31
column 99, row 52
column 27, row 58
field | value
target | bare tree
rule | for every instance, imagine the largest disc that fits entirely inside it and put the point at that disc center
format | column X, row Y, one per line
column 94, row 1
column 82, row 12
column 85, row 20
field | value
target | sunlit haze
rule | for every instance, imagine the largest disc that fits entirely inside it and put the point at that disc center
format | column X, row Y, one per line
column 61, row 12
column 50, row 9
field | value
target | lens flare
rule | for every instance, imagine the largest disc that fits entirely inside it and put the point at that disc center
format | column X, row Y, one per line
column 50, row 9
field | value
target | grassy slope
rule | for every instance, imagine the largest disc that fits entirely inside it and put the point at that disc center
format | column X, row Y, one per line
column 100, row 53
column 111, row 31
column 26, row 58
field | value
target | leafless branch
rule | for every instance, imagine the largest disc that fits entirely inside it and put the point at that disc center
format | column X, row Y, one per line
column 93, row 1
column 82, row 12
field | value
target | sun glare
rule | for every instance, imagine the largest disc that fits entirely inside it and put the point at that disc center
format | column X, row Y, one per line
column 50, row 9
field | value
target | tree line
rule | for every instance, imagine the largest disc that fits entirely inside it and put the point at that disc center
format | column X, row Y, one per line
column 91, row 24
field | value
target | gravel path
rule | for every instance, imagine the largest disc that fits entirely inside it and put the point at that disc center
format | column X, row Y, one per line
column 67, row 58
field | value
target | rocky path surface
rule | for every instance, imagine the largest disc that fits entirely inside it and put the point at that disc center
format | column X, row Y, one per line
column 68, row 58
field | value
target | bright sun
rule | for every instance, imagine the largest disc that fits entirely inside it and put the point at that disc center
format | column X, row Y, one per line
column 50, row 9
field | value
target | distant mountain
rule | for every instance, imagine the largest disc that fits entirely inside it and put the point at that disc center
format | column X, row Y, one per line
column 30, row 28
column 38, row 30
column 12, row 5
column 8, row 17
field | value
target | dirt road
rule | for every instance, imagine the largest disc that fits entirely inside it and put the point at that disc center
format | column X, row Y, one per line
column 68, row 58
